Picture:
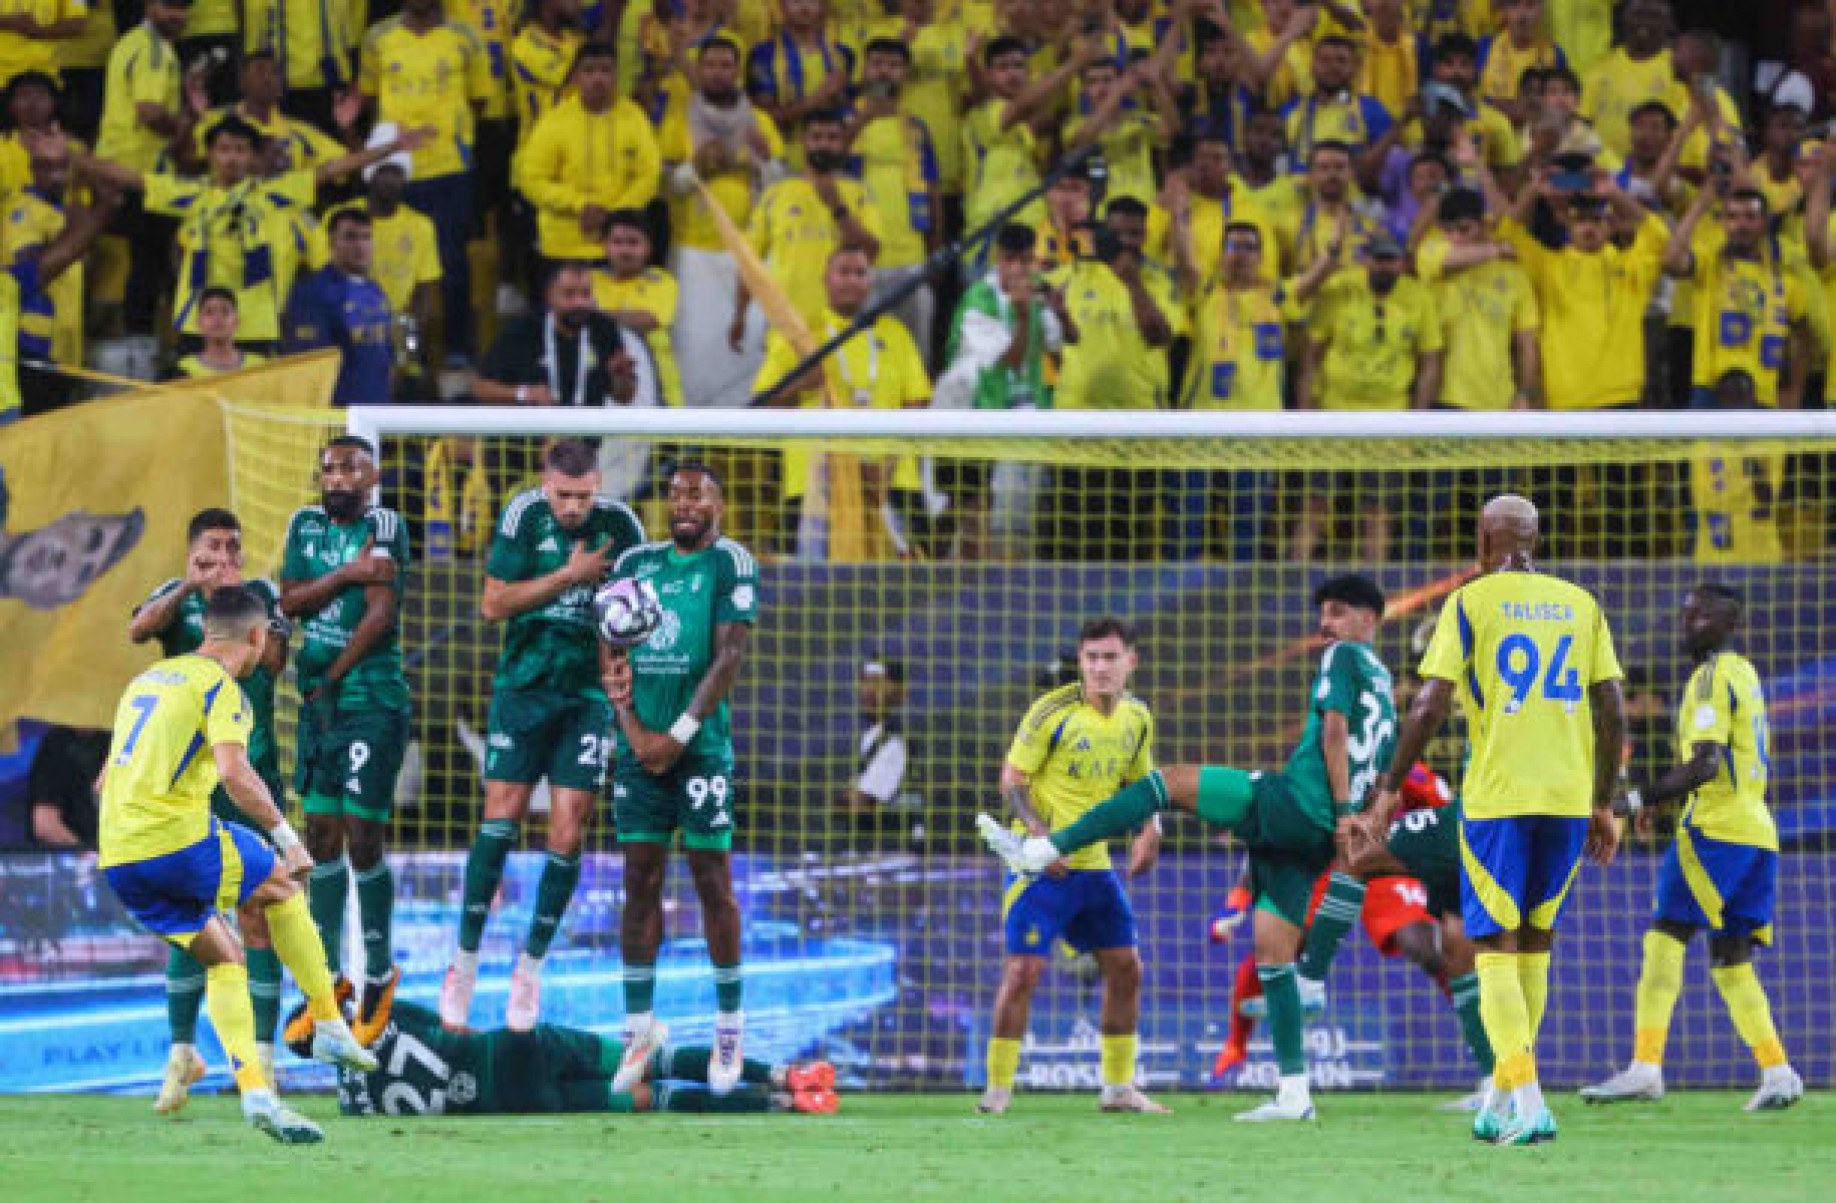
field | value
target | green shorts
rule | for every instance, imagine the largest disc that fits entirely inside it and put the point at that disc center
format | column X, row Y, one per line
column 1289, row 845
column 1427, row 844
column 533, row 735
column 348, row 761
column 695, row 797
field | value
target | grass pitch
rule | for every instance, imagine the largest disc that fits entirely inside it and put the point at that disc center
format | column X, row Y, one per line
column 1396, row 1148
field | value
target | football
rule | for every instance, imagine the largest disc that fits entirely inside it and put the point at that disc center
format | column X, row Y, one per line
column 627, row 612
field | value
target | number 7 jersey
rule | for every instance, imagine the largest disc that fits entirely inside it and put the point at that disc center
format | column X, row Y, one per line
column 1523, row 649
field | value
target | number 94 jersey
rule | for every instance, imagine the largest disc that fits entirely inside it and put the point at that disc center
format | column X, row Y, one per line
column 1523, row 649
column 1352, row 682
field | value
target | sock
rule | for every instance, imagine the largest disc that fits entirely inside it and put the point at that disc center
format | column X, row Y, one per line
column 226, row 993
column 1224, row 797
column 296, row 941
column 685, row 1097
column 327, row 887
column 376, row 914
column 1533, row 980
column 1285, row 1025
column 484, row 871
column 1506, row 1019
column 1135, row 805
column 1746, row 998
column 184, row 995
column 265, row 992
column 1003, row 1062
column 1339, row 910
column 1465, row 993
column 1236, row 1045
column 1660, row 981
column 560, row 874
column 728, row 988
column 1118, row 1065
column 690, row 1064
column 640, row 988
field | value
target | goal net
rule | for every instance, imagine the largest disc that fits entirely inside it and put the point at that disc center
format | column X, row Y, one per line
column 956, row 555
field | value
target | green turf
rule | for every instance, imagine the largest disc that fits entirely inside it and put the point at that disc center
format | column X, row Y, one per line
column 1397, row 1149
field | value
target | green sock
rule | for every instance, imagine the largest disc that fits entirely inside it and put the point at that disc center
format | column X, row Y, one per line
column 681, row 1097
column 1283, row 994
column 1135, row 805
column 376, row 914
column 1465, row 992
column 690, row 1064
column 484, row 870
column 1224, row 796
column 326, row 890
column 265, row 992
column 640, row 987
column 184, row 995
column 1339, row 910
column 559, row 877
column 728, row 987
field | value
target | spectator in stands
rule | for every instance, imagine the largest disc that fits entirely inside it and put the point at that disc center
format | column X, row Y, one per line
column 341, row 305
column 1333, row 112
column 31, row 111
column 30, row 35
column 1000, row 135
column 1218, row 103
column 1389, row 70
column 1131, row 112
column 937, row 87
column 898, row 170
column 1452, row 88
column 592, row 153
column 732, row 147
column 1632, row 73
column 1558, row 128
column 291, row 143
column 1258, row 162
column 641, row 298
column 1521, row 45
column 218, row 324
column 51, row 314
column 312, row 41
column 495, row 142
column 799, row 72
column 406, row 248
column 422, row 70
column 870, row 802
column 1203, row 201
column 65, row 810
column 1373, row 343
column 1330, row 221
column 1280, row 60
column 142, row 110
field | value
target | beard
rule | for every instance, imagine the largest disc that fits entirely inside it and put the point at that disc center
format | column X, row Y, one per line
column 722, row 98
column 342, row 504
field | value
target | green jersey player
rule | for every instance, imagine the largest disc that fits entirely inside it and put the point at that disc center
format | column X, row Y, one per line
column 344, row 567
column 1286, row 820
column 549, row 713
column 675, row 764
column 174, row 615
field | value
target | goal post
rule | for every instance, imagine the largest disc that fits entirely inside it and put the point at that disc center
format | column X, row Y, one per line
column 875, row 929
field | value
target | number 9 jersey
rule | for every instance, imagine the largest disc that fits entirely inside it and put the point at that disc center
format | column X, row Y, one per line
column 1523, row 649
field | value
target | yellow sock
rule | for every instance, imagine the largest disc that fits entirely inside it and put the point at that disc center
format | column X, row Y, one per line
column 297, row 943
column 1533, row 980
column 1119, row 1059
column 1003, row 1062
column 1506, row 1019
column 1746, row 998
column 226, row 993
column 1660, row 981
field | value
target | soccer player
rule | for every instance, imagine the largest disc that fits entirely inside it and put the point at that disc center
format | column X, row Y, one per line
column 1722, row 872
column 1539, row 681
column 174, row 615
column 344, row 568
column 549, row 713
column 1078, row 743
column 426, row 1069
column 1286, row 820
column 174, row 865
column 675, row 763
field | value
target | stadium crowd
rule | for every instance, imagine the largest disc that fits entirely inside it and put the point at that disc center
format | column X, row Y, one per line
column 1348, row 205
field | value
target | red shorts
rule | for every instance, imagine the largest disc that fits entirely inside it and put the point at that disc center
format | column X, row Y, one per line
column 1390, row 904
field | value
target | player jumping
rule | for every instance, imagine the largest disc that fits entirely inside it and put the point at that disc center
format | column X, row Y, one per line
column 1286, row 820
column 174, row 865
column 345, row 566
column 675, row 763
column 549, row 713
column 1076, row 745
column 1722, row 872
column 1533, row 659
column 174, row 615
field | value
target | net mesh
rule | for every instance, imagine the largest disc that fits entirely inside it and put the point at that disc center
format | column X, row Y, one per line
column 874, row 926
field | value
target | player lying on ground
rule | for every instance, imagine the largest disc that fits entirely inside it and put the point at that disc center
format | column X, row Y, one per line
column 1286, row 820
column 1412, row 910
column 1722, row 873
column 423, row 1068
column 174, row 615
column 174, row 865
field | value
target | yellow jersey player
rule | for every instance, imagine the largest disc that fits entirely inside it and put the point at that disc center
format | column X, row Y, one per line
column 1078, row 744
column 1722, row 872
column 174, row 865
column 1534, row 664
